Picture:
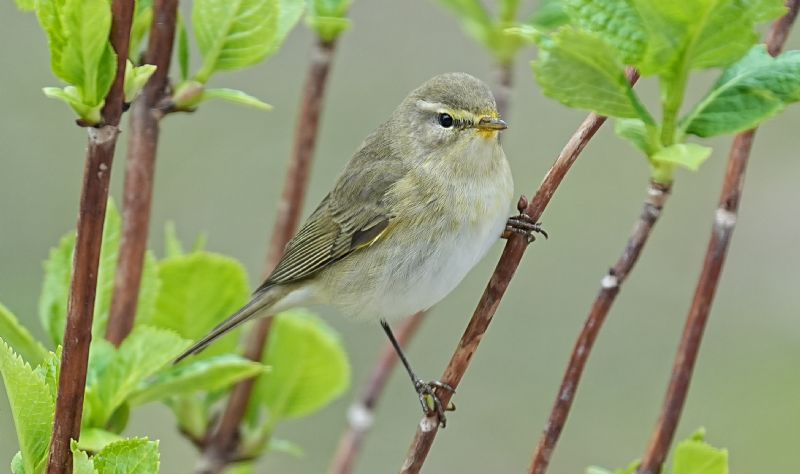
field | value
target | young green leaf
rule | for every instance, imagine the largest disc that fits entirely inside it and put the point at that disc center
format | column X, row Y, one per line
column 643, row 137
column 129, row 456
column 142, row 19
column 135, row 79
column 695, row 456
column 117, row 373
column 81, row 464
column 71, row 96
column 183, row 49
column 235, row 96
column 198, row 291
column 32, row 407
column 289, row 13
column 173, row 247
column 233, row 34
column 550, row 15
column 209, row 375
column 616, row 21
column 688, row 155
column 58, row 271
column 581, row 70
column 26, row 5
column 19, row 338
column 88, row 62
column 751, row 91
column 95, row 439
column 309, row 368
column 328, row 18
column 17, row 466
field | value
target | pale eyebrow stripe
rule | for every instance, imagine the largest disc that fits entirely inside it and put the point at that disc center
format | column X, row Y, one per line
column 430, row 106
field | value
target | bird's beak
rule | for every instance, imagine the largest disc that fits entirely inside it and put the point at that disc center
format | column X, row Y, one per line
column 491, row 124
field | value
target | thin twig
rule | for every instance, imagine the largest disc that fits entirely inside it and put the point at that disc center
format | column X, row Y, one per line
column 721, row 233
column 222, row 446
column 91, row 214
column 498, row 283
column 139, row 170
column 361, row 413
column 657, row 195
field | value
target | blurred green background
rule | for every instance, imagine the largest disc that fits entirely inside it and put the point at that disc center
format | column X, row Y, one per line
column 220, row 172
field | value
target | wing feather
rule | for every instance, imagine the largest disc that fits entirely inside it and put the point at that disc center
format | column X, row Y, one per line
column 353, row 216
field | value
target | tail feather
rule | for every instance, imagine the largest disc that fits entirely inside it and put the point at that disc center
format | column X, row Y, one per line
column 260, row 302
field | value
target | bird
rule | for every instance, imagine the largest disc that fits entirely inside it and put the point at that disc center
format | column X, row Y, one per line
column 414, row 210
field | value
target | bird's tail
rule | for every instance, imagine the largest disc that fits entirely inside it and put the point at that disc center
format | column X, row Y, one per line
column 261, row 302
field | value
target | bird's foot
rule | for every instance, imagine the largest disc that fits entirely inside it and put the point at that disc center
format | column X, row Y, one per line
column 430, row 401
column 523, row 224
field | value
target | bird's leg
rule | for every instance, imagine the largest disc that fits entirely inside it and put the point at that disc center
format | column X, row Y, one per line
column 523, row 224
column 424, row 389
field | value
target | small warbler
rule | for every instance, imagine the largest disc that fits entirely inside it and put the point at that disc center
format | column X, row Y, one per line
column 417, row 206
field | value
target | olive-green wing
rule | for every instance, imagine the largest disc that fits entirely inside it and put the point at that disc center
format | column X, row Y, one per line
column 351, row 217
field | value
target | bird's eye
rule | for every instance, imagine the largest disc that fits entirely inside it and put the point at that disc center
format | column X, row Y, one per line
column 445, row 120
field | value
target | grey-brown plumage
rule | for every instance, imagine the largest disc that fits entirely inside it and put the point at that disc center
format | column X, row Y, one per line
column 416, row 207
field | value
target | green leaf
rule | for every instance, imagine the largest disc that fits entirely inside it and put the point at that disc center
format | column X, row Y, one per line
column 580, row 70
column 616, row 21
column 87, row 61
column 289, row 13
column 18, row 337
column 198, row 291
column 235, row 96
column 81, row 464
column 71, row 96
column 183, row 48
column 142, row 19
column 688, row 155
column 50, row 15
column 135, row 79
column 695, row 456
column 643, row 137
column 32, row 408
column 115, row 374
column 173, row 247
column 17, row 466
column 95, row 439
column 284, row 446
column 58, row 271
column 26, row 5
column 129, row 456
column 550, row 15
column 211, row 374
column 309, row 367
column 233, row 34
column 751, row 91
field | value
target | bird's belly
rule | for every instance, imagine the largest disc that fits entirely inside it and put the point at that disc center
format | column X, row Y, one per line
column 412, row 274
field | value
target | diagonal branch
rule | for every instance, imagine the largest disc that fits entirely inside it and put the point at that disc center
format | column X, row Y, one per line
column 503, row 272
column 139, row 173
column 361, row 413
column 222, row 443
column 91, row 215
column 657, row 195
column 721, row 233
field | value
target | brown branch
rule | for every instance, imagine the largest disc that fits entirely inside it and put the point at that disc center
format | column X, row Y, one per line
column 498, row 283
column 657, row 195
column 721, row 233
column 222, row 447
column 362, row 412
column 139, row 170
column 91, row 214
